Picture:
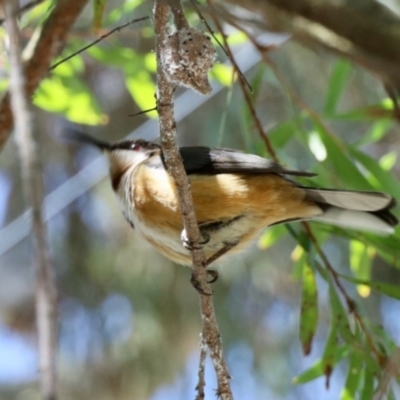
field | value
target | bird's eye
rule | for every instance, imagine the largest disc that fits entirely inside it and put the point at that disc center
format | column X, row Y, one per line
column 135, row 146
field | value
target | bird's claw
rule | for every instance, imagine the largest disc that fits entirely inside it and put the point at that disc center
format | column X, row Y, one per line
column 197, row 285
column 188, row 244
column 213, row 275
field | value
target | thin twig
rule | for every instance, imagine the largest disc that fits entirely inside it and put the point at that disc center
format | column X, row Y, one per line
column 202, row 369
column 117, row 29
column 390, row 372
column 165, row 106
column 248, row 100
column 51, row 40
column 227, row 52
column 46, row 317
column 143, row 112
column 179, row 15
column 351, row 304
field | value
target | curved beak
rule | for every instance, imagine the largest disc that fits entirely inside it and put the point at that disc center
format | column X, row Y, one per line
column 77, row 136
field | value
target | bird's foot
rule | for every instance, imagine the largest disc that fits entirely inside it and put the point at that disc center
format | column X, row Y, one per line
column 190, row 245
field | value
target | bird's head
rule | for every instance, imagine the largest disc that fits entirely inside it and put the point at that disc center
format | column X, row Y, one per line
column 122, row 155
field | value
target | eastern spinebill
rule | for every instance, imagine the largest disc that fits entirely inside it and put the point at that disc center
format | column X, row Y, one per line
column 235, row 195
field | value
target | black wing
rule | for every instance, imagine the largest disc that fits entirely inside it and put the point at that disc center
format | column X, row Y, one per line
column 206, row 161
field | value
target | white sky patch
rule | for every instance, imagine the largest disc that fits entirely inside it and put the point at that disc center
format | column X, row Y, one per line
column 316, row 146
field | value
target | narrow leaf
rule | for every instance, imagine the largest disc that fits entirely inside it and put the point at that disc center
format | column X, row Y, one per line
column 98, row 10
column 142, row 89
column 339, row 315
column 377, row 131
column 384, row 180
column 339, row 160
column 381, row 111
column 383, row 288
column 339, row 77
column 354, row 374
column 367, row 391
column 330, row 359
column 271, row 236
column 309, row 309
column 361, row 257
column 282, row 133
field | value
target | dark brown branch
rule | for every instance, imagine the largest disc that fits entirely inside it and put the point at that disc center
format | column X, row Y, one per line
column 366, row 32
column 46, row 320
column 364, row 23
column 49, row 45
column 165, row 106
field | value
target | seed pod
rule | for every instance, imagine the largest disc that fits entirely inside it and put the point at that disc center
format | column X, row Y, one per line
column 187, row 58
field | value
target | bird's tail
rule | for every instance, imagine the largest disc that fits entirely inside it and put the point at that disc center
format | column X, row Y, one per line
column 355, row 209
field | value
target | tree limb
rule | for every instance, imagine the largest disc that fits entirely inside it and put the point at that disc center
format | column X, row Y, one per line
column 165, row 106
column 368, row 33
column 46, row 319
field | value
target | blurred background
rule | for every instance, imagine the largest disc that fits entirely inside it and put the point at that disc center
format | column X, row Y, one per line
column 129, row 318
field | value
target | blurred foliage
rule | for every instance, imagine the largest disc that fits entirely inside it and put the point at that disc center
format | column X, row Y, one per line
column 129, row 320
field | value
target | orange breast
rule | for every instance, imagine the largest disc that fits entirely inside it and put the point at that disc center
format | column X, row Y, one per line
column 224, row 196
column 262, row 200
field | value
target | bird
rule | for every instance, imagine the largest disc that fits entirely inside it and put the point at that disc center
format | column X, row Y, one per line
column 235, row 197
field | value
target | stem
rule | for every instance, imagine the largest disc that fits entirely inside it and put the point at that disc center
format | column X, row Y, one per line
column 46, row 317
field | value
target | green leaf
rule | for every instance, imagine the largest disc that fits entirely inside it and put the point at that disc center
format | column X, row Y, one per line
column 338, row 159
column 361, row 257
column 4, row 83
column 339, row 77
column 71, row 97
column 309, row 309
column 98, row 10
column 233, row 39
column 37, row 14
column 271, row 236
column 383, row 288
column 150, row 62
column 367, row 391
column 121, row 12
column 256, row 82
column 381, row 111
column 383, row 180
column 340, row 316
column 316, row 146
column 377, row 132
column 388, row 161
column 282, row 133
column 119, row 57
column 223, row 74
column 333, row 353
column 386, row 246
column 354, row 374
column 142, row 89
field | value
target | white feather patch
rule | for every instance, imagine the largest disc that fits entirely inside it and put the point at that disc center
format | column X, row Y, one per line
column 355, row 220
column 360, row 201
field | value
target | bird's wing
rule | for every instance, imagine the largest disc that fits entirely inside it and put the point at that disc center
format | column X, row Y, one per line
column 203, row 160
